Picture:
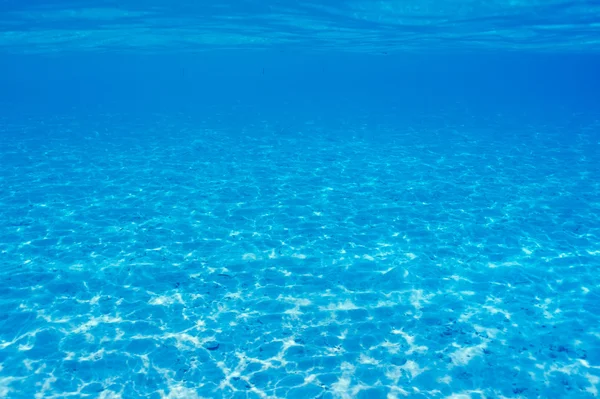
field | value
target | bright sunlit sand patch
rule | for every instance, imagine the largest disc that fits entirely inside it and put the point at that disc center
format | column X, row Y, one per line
column 167, row 300
column 346, row 305
column 463, row 355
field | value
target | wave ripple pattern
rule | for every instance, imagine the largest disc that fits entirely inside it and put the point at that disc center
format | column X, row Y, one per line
column 447, row 263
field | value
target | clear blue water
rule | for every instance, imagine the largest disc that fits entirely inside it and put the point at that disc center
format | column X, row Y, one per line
column 335, row 199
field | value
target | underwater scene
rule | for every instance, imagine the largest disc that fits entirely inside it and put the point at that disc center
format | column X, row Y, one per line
column 299, row 199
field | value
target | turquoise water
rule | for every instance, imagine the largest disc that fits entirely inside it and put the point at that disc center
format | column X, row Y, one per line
column 43, row 26
column 299, row 200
